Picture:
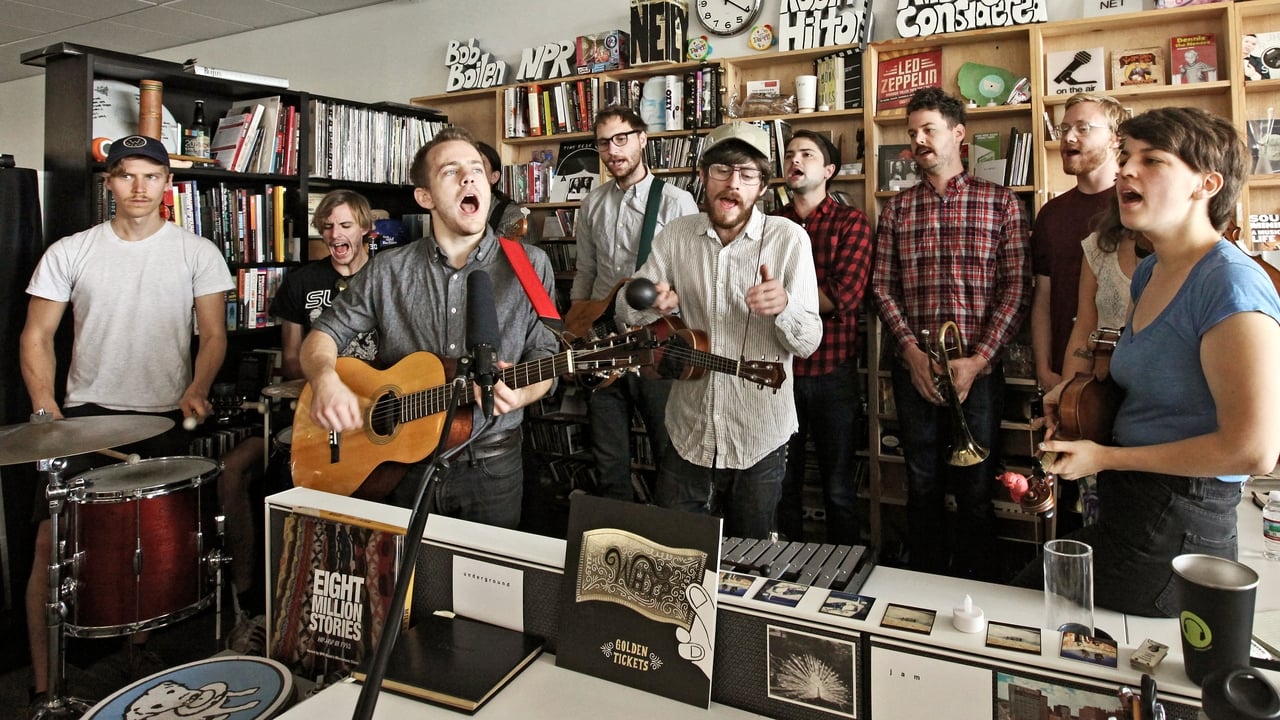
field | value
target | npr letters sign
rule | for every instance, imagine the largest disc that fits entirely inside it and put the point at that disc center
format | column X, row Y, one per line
column 920, row 18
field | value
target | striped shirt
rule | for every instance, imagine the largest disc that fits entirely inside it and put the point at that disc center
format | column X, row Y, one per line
column 842, row 254
column 719, row 420
column 962, row 256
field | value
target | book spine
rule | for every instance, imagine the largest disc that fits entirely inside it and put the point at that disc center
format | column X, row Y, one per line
column 237, row 76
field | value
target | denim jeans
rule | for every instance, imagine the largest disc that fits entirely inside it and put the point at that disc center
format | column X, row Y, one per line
column 747, row 499
column 488, row 490
column 926, row 433
column 610, row 429
column 829, row 409
column 1145, row 520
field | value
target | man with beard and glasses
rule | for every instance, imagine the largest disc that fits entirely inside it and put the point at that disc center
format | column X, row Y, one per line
column 950, row 249
column 416, row 298
column 748, row 281
column 1089, row 147
column 613, row 240
column 828, row 397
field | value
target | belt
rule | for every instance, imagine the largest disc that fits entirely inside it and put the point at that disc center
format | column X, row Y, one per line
column 495, row 444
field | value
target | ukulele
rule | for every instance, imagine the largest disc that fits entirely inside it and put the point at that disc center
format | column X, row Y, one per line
column 1087, row 410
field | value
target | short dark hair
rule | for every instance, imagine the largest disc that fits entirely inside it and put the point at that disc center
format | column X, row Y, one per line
column 1205, row 142
column 418, row 170
column 619, row 112
column 359, row 205
column 933, row 98
column 490, row 154
column 735, row 152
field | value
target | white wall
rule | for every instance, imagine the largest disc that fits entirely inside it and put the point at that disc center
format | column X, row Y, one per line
column 393, row 51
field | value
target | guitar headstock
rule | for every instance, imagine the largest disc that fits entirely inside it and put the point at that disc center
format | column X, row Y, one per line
column 598, row 361
column 766, row 374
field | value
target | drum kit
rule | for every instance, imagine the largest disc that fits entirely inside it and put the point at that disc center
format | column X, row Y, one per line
column 137, row 550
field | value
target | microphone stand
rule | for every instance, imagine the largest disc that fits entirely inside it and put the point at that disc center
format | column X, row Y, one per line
column 428, row 479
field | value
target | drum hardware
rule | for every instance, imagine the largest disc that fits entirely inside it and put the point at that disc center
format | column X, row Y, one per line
column 965, row 451
column 215, row 561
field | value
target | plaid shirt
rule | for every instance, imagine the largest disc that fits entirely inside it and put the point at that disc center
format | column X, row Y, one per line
column 961, row 257
column 842, row 254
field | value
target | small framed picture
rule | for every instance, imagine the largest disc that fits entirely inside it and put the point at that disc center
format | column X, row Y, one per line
column 1096, row 650
column 1013, row 637
column 814, row 671
column 732, row 583
column 782, row 593
column 911, row 619
column 854, row 607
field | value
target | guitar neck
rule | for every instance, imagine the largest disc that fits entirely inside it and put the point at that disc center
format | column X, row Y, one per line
column 715, row 363
column 435, row 400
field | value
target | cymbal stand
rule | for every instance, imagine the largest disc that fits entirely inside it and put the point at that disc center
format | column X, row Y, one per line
column 56, row 705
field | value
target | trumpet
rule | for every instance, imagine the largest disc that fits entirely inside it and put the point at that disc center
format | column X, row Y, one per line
column 965, row 451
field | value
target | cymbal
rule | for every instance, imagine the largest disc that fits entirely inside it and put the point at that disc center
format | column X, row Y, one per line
column 33, row 441
column 286, row 389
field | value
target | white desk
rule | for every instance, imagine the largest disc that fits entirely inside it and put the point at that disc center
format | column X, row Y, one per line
column 542, row 692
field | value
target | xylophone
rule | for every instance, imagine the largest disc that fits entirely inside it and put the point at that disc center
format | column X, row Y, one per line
column 838, row 567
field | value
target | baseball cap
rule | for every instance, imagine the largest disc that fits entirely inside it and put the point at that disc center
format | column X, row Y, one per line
column 137, row 146
column 753, row 136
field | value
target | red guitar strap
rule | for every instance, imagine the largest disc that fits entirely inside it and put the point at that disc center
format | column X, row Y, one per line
column 532, row 284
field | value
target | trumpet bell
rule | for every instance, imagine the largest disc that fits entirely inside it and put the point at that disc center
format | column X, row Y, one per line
column 967, row 453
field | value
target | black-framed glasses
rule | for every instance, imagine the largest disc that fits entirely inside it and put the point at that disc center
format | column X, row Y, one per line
column 750, row 175
column 1082, row 128
column 617, row 139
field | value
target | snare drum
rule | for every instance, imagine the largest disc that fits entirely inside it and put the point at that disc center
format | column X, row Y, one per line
column 138, row 539
column 279, row 474
column 240, row 687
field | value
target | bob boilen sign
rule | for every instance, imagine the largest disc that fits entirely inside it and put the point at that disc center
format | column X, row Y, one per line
column 921, row 18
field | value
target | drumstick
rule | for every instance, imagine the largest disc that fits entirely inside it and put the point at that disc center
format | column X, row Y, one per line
column 131, row 458
column 190, row 422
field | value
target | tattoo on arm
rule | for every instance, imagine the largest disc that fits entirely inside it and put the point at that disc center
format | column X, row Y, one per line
column 1085, row 353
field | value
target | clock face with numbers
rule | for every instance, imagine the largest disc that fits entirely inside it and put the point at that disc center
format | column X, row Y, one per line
column 727, row 17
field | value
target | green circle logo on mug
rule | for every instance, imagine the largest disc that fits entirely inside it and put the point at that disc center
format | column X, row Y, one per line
column 1195, row 631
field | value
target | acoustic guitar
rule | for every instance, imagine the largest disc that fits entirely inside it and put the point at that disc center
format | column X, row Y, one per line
column 1087, row 410
column 590, row 320
column 682, row 355
column 404, row 409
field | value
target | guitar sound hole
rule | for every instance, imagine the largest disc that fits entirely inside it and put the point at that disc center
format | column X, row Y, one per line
column 386, row 411
column 672, row 364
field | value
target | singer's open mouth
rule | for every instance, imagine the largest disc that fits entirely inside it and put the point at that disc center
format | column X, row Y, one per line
column 470, row 203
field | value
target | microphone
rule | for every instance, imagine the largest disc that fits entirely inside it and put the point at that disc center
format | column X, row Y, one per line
column 482, row 336
column 641, row 293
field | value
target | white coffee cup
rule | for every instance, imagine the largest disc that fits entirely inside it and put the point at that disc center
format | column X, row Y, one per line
column 806, row 92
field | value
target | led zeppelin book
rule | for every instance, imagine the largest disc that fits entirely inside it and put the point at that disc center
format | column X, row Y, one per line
column 638, row 603
column 331, row 588
column 901, row 72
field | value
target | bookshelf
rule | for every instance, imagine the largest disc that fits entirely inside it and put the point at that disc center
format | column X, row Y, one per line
column 72, row 176
column 1019, row 49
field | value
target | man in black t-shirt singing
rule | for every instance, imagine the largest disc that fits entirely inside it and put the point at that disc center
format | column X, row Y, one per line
column 343, row 219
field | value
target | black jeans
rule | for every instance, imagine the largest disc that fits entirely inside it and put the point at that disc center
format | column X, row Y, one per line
column 1145, row 521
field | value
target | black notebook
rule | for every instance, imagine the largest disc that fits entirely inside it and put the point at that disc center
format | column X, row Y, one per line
column 456, row 662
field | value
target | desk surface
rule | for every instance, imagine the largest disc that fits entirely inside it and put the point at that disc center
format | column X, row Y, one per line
column 542, row 692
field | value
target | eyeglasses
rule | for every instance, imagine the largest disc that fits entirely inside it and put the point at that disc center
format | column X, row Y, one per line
column 1082, row 128
column 617, row 139
column 749, row 175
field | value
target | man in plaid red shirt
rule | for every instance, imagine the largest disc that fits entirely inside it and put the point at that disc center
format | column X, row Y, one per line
column 828, row 398
column 953, row 247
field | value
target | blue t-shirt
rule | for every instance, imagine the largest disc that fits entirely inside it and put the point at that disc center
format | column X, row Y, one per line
column 1167, row 397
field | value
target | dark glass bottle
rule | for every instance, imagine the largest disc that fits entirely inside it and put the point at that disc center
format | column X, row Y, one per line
column 196, row 139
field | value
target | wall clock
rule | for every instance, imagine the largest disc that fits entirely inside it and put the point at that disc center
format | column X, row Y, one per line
column 727, row 17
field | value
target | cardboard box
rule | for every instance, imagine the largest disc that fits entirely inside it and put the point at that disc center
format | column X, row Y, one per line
column 602, row 52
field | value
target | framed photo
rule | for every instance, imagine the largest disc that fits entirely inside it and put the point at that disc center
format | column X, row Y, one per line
column 732, row 583
column 849, row 605
column 782, row 593
column 1076, row 698
column 898, row 170
column 1013, row 637
column 1087, row 648
column 814, row 671
column 911, row 619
